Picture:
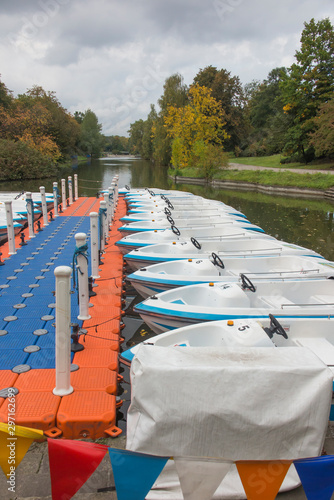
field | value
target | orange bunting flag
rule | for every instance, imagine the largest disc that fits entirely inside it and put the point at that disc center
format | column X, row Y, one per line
column 15, row 441
column 71, row 464
column 262, row 479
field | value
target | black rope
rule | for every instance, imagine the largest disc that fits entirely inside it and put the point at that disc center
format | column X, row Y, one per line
column 104, row 322
column 96, row 337
column 111, row 278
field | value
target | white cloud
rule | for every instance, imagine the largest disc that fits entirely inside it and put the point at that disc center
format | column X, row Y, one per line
column 113, row 57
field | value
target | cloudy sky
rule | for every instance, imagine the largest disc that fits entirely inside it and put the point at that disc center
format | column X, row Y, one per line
column 113, row 56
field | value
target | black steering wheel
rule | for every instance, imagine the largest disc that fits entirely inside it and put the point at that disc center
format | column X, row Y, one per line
column 217, row 260
column 151, row 193
column 170, row 205
column 127, row 187
column 163, row 197
column 195, row 243
column 175, row 230
column 276, row 327
column 170, row 220
column 167, row 211
column 246, row 283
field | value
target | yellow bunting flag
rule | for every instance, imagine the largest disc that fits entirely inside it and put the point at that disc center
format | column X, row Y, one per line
column 262, row 479
column 14, row 444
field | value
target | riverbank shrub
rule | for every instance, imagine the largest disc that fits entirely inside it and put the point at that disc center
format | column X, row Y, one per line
column 19, row 161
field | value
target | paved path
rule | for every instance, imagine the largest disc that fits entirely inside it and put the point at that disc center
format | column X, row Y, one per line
column 239, row 166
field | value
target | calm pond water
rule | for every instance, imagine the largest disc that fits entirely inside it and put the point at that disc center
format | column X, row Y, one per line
column 306, row 222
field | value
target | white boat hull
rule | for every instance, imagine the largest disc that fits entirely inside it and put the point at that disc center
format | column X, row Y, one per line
column 220, row 301
column 233, row 247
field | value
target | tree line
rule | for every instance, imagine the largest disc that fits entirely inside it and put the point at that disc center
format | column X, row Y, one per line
column 37, row 134
column 291, row 112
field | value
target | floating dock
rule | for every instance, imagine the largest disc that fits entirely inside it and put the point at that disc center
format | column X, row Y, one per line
column 27, row 331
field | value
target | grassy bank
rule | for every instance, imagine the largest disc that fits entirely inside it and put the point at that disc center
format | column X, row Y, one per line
column 274, row 161
column 266, row 177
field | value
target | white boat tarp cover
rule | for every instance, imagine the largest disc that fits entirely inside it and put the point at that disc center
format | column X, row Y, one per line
column 231, row 403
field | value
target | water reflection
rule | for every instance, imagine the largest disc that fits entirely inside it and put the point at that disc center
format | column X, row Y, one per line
column 306, row 222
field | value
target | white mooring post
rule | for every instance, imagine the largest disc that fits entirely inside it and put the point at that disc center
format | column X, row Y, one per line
column 30, row 215
column 70, row 190
column 106, row 199
column 111, row 205
column 94, row 244
column 104, row 223
column 55, row 198
column 76, row 196
column 10, row 228
column 83, row 291
column 44, row 207
column 63, row 331
column 114, row 188
column 116, row 180
column 63, row 193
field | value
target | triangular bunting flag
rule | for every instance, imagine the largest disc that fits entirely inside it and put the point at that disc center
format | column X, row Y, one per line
column 19, row 430
column 14, row 444
column 200, row 477
column 317, row 476
column 134, row 473
column 262, row 479
column 12, row 451
column 71, row 464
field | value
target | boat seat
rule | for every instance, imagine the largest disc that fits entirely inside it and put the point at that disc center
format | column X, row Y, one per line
column 322, row 299
column 320, row 346
column 276, row 301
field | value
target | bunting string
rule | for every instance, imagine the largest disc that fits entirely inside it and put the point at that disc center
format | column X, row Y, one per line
column 73, row 462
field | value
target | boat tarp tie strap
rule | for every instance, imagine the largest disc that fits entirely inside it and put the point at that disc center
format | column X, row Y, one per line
column 78, row 251
column 111, row 196
column 102, row 213
column 56, row 190
column 30, row 204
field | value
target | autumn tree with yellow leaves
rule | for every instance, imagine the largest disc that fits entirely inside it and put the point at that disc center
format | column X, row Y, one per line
column 35, row 133
column 197, row 131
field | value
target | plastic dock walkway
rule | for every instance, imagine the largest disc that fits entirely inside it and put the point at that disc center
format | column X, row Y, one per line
column 27, row 331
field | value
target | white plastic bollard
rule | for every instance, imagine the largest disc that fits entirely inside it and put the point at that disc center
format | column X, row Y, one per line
column 55, row 198
column 63, row 331
column 110, row 205
column 106, row 199
column 94, row 244
column 113, row 187
column 104, row 232
column 10, row 228
column 44, row 207
column 76, row 186
column 63, row 193
column 83, row 290
column 30, row 215
column 70, row 190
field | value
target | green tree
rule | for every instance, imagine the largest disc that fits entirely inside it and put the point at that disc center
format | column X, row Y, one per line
column 136, row 133
column 266, row 116
column 6, row 96
column 309, row 83
column 322, row 139
column 175, row 94
column 79, row 116
column 91, row 139
column 147, row 139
